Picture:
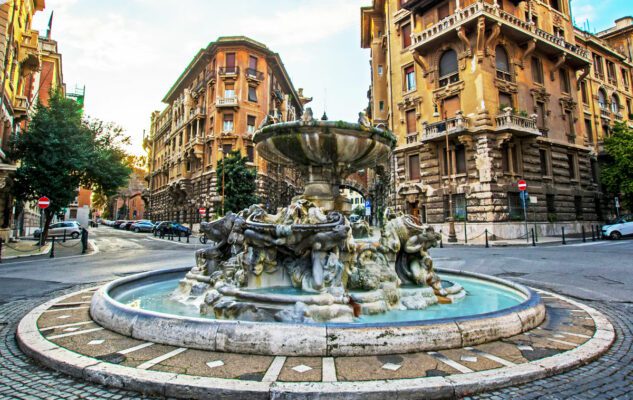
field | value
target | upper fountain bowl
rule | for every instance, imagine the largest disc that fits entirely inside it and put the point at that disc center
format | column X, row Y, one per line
column 344, row 147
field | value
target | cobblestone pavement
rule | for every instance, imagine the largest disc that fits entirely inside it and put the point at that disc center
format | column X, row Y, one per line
column 611, row 377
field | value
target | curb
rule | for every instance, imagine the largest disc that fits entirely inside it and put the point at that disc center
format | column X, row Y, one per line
column 148, row 382
column 46, row 248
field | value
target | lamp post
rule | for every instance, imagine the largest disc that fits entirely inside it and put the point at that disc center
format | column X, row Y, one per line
column 452, row 237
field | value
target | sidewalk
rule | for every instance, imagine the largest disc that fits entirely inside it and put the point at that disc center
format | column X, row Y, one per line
column 23, row 248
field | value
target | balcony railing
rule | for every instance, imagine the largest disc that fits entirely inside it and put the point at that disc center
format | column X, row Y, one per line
column 618, row 116
column 229, row 70
column 412, row 138
column 605, row 113
column 21, row 104
column 510, row 121
column 209, row 76
column 227, row 101
column 472, row 12
column 254, row 74
column 447, row 127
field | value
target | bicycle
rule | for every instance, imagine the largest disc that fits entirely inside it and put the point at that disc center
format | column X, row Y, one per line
column 203, row 238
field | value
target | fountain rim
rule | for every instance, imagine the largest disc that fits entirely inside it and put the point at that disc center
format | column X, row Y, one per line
column 271, row 130
column 532, row 300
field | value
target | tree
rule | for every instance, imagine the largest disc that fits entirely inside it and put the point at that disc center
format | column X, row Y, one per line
column 239, row 182
column 617, row 172
column 59, row 152
column 359, row 210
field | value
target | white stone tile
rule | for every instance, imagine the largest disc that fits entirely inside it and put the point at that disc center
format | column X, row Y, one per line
column 469, row 359
column 63, row 316
column 71, row 329
column 96, row 342
column 301, row 368
column 215, row 364
column 391, row 366
column 525, row 348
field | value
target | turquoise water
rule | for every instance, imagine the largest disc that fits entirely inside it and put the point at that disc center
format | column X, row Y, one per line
column 481, row 297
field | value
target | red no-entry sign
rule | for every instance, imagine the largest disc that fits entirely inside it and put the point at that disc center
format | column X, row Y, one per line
column 43, row 202
column 202, row 210
column 522, row 185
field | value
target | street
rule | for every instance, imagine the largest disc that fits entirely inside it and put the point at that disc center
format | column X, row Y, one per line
column 591, row 271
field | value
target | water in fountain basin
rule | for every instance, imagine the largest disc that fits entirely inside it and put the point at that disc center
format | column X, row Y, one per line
column 482, row 297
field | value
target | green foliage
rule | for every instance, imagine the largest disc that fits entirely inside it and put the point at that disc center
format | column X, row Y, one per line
column 239, row 182
column 359, row 210
column 616, row 174
column 60, row 152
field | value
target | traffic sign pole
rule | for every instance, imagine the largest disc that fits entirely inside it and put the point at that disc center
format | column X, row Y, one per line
column 524, row 197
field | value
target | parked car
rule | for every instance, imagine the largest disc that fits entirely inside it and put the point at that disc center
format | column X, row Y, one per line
column 156, row 227
column 127, row 225
column 72, row 228
column 142, row 226
column 173, row 228
column 622, row 226
column 117, row 224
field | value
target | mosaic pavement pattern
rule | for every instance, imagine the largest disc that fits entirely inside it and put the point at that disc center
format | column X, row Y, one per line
column 68, row 325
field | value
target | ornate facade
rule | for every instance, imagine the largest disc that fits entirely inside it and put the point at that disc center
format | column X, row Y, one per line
column 213, row 108
column 482, row 94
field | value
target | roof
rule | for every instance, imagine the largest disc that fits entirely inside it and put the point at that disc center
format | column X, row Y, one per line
column 225, row 41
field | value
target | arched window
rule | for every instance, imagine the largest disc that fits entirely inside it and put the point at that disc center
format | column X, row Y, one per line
column 615, row 104
column 503, row 64
column 602, row 99
column 448, row 68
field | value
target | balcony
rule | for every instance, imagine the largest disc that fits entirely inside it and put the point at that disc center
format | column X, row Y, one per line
column 229, row 71
column 412, row 138
column 517, row 123
column 512, row 27
column 618, row 116
column 21, row 105
column 231, row 101
column 605, row 113
column 210, row 76
column 254, row 75
column 448, row 127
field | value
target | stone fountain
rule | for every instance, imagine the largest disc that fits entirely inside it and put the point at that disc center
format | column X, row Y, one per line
column 303, row 264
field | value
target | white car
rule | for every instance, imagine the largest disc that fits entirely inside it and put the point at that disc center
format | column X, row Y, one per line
column 622, row 226
column 72, row 229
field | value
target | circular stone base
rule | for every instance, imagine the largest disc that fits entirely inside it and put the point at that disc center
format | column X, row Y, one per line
column 61, row 335
column 316, row 339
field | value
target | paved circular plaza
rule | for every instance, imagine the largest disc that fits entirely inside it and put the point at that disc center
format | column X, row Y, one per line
column 569, row 329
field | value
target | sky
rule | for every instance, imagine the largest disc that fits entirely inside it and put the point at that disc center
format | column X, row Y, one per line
column 128, row 53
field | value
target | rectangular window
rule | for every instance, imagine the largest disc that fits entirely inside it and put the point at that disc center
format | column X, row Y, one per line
column 250, row 124
column 540, row 115
column 406, row 35
column 460, row 159
column 515, row 207
column 559, row 32
column 252, row 62
column 625, row 78
column 505, row 100
column 411, row 119
column 583, row 92
column 229, row 90
column 589, row 130
column 571, row 126
column 555, row 5
column 571, row 165
column 537, row 70
column 460, row 210
column 611, row 72
column 252, row 93
column 409, row 78
column 598, row 67
column 250, row 153
column 593, row 164
column 414, row 167
column 227, row 123
column 227, row 149
column 381, row 105
column 565, row 86
column 578, row 207
column 505, row 159
column 230, row 60
column 443, row 11
column 380, row 70
column 544, row 162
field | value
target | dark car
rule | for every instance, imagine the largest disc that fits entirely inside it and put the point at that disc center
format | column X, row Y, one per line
column 171, row 228
column 162, row 228
column 142, row 226
column 183, row 230
column 117, row 224
column 127, row 225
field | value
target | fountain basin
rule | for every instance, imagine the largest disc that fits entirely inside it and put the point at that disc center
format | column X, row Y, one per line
column 371, row 336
